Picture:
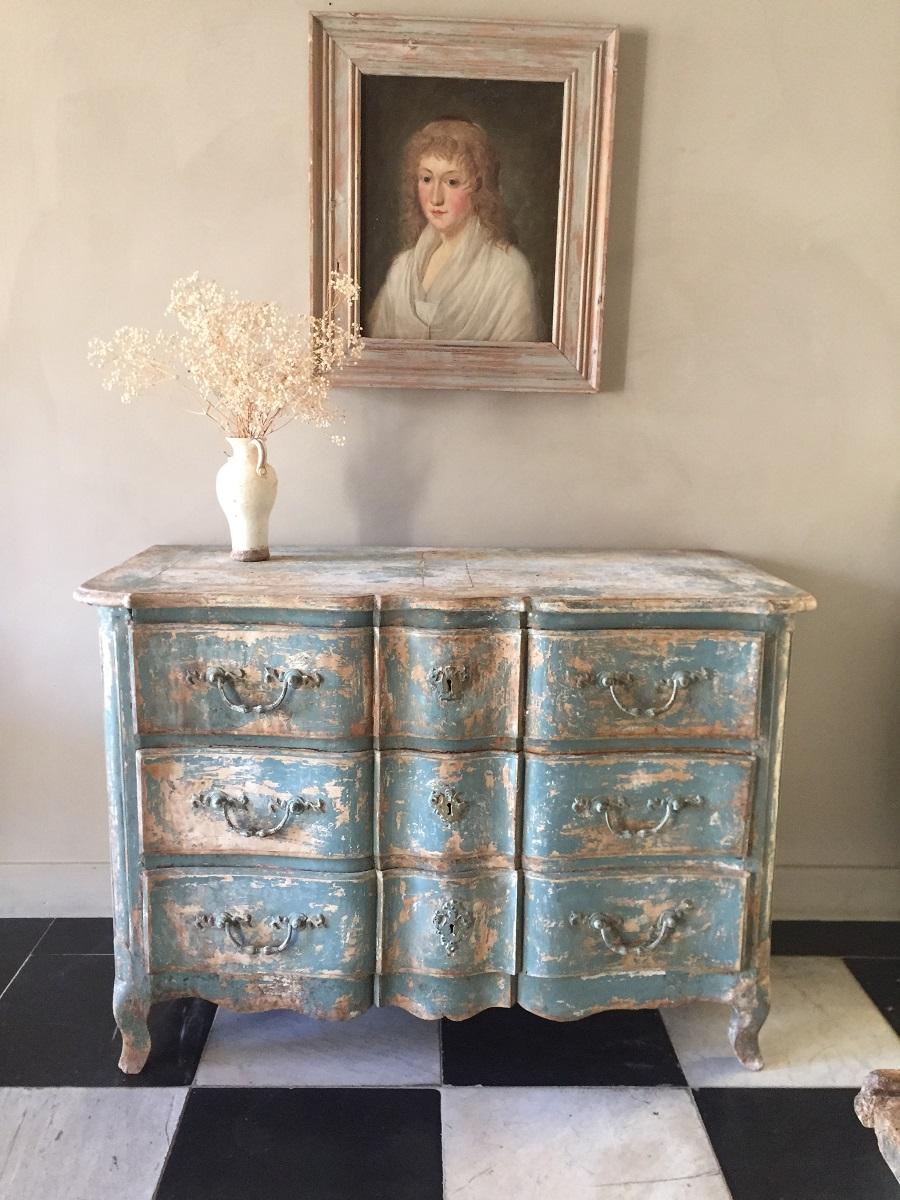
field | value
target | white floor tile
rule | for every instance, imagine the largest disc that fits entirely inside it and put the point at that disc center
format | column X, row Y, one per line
column 822, row 1031
column 576, row 1144
column 85, row 1143
column 385, row 1047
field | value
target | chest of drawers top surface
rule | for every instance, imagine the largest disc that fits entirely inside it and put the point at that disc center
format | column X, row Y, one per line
column 551, row 581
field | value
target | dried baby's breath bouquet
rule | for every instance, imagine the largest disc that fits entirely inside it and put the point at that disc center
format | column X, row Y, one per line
column 254, row 366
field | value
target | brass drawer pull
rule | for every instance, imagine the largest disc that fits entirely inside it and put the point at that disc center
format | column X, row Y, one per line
column 216, row 799
column 453, row 922
column 447, row 681
column 448, row 804
column 234, row 925
column 613, row 810
column 226, row 682
column 611, row 680
column 610, row 929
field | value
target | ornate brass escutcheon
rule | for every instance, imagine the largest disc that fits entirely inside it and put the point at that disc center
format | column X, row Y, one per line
column 226, row 679
column 448, row 804
column 215, row 799
column 454, row 922
column 610, row 928
column 447, row 680
column 234, row 925
column 613, row 809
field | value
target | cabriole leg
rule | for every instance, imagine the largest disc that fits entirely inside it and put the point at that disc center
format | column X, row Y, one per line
column 131, row 1010
column 749, row 1009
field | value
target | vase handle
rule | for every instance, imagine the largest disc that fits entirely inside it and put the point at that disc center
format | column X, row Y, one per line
column 260, row 455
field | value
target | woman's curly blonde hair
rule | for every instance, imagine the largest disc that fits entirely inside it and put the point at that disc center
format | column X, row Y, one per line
column 466, row 143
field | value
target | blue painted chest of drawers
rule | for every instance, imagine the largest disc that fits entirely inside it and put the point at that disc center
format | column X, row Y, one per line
column 442, row 779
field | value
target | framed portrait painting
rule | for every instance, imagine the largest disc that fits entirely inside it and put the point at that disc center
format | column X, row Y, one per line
column 461, row 174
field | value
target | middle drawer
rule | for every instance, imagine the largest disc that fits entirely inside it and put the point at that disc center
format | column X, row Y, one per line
column 446, row 808
column 602, row 806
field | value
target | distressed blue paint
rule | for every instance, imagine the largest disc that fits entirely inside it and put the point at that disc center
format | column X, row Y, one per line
column 484, row 787
column 344, row 946
column 311, row 618
column 571, row 999
column 174, row 823
column 710, row 937
column 467, row 618
column 557, row 825
column 484, row 703
column 132, row 990
column 568, row 702
column 434, row 996
column 411, row 942
column 265, row 862
column 326, row 999
column 173, row 697
column 650, row 620
column 721, row 738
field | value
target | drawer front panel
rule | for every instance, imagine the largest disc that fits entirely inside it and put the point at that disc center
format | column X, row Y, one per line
column 455, row 685
column 589, row 925
column 614, row 683
column 295, row 682
column 597, row 807
column 439, row 926
column 256, row 923
column 236, row 802
column 447, row 807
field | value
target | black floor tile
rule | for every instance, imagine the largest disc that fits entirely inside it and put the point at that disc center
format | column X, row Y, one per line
column 509, row 1047
column 59, row 1031
column 841, row 939
column 880, row 977
column 794, row 1144
column 78, row 935
column 321, row 1143
column 9, row 964
column 20, row 935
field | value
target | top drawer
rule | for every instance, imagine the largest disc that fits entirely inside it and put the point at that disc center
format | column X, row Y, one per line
column 276, row 681
column 458, row 686
column 612, row 683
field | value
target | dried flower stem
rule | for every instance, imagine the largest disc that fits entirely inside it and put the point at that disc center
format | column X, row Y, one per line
column 255, row 367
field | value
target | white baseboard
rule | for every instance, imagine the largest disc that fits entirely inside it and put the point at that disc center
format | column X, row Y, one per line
column 801, row 893
column 837, row 893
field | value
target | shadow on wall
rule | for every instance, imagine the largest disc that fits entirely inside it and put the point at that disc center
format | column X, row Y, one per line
column 623, row 205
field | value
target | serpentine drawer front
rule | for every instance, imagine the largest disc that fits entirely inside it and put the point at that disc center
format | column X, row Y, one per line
column 253, row 921
column 445, row 780
column 601, row 806
column 678, row 921
column 643, row 683
column 447, row 808
column 290, row 683
column 287, row 803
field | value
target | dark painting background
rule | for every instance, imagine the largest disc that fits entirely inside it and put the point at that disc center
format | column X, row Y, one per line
column 524, row 122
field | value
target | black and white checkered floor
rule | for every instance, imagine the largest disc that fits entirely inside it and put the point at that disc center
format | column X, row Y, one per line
column 621, row 1106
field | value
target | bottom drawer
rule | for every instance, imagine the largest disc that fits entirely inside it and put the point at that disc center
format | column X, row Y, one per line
column 439, row 926
column 250, row 922
column 593, row 925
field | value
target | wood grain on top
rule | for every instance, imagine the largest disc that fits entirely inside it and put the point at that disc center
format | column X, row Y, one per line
column 365, row 577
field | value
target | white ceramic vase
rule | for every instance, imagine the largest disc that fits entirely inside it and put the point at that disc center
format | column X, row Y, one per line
column 245, row 486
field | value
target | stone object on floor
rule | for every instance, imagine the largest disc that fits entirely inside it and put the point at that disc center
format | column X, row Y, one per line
column 878, row 1107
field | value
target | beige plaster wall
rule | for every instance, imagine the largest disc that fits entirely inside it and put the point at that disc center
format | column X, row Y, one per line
column 752, row 348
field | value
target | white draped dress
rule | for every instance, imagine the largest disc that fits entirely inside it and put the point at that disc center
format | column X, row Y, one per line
column 484, row 293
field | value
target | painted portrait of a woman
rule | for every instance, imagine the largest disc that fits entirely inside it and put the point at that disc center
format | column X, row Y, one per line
column 460, row 276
